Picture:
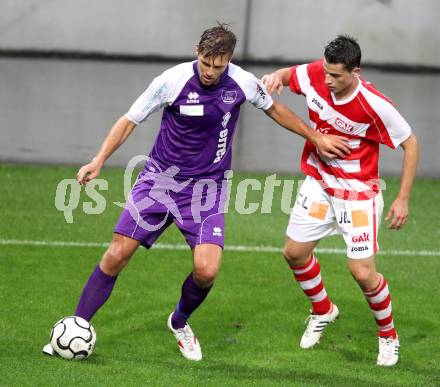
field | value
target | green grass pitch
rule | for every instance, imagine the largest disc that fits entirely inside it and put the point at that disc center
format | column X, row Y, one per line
column 251, row 323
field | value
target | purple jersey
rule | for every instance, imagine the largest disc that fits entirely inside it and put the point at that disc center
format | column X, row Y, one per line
column 198, row 121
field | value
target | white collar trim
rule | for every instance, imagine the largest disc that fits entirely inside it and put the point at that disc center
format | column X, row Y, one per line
column 349, row 98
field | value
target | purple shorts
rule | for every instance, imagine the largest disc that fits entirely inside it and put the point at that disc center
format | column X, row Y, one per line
column 157, row 200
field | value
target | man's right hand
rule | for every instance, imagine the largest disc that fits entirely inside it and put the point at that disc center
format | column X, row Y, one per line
column 273, row 82
column 88, row 172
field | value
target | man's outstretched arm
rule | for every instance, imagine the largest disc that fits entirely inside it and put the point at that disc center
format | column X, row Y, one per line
column 117, row 136
column 328, row 145
column 398, row 212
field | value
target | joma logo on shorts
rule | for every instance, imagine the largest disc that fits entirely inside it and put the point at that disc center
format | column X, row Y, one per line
column 359, row 248
column 365, row 237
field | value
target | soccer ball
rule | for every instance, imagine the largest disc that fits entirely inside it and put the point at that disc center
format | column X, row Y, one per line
column 73, row 338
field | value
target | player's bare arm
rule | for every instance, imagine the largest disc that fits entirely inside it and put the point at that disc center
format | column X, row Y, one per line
column 398, row 212
column 117, row 136
column 276, row 80
column 328, row 145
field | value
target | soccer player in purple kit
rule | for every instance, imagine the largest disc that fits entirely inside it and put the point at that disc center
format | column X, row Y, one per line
column 201, row 102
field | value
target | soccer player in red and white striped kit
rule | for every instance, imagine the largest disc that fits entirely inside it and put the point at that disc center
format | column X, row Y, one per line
column 342, row 196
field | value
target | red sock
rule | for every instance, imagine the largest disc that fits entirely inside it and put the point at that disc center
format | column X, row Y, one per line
column 309, row 278
column 379, row 300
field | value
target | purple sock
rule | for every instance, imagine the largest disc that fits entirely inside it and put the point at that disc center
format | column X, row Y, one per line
column 192, row 296
column 95, row 293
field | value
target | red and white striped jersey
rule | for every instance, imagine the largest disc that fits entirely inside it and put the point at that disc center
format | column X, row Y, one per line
column 367, row 118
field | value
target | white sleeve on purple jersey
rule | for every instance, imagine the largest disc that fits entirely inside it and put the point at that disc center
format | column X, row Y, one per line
column 254, row 90
column 162, row 92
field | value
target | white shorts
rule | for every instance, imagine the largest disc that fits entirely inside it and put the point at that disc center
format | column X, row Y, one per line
column 316, row 215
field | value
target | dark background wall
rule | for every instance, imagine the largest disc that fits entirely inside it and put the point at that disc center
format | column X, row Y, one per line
column 59, row 110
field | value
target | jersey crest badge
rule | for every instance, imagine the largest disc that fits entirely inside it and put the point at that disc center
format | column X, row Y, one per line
column 229, row 96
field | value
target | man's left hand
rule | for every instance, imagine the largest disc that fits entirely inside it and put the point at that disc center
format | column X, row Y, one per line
column 398, row 214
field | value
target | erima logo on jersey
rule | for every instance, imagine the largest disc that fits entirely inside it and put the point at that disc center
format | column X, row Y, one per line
column 222, row 139
column 193, row 97
column 217, row 231
column 226, row 119
column 343, row 125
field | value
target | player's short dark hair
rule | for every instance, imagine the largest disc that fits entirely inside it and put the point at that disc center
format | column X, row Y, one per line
column 344, row 49
column 217, row 41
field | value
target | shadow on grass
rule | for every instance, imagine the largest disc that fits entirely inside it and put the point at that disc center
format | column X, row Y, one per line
column 242, row 374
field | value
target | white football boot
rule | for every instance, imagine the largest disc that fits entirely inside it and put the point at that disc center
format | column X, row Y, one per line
column 48, row 350
column 316, row 325
column 388, row 351
column 188, row 344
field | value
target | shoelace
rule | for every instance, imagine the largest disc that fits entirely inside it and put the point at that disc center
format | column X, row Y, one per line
column 310, row 327
column 388, row 347
column 187, row 338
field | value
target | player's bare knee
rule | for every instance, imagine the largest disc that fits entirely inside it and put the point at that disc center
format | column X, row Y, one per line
column 294, row 256
column 205, row 275
column 207, row 262
column 115, row 259
column 364, row 276
column 289, row 253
